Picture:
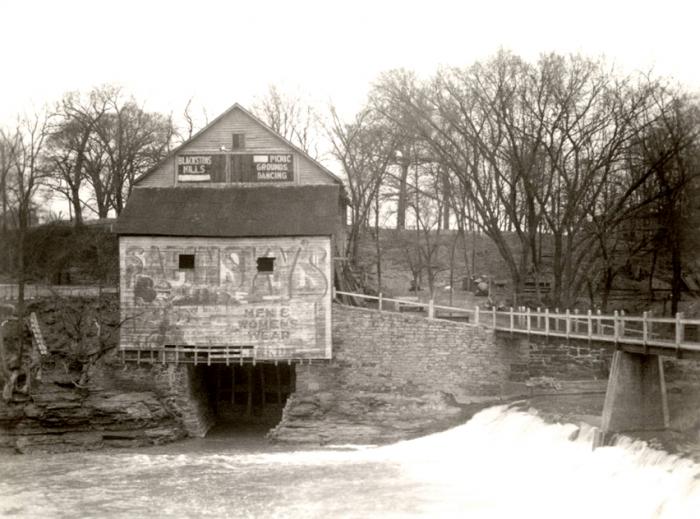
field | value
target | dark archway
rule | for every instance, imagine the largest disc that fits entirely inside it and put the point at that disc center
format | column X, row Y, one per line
column 248, row 397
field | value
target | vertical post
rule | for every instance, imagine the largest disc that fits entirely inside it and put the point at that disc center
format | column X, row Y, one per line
column 568, row 323
column 576, row 320
column 679, row 333
column 590, row 325
column 233, row 385
column 262, row 383
column 511, row 320
column 556, row 320
column 528, row 321
column 622, row 323
column 546, row 322
column 645, row 331
column 476, row 314
column 616, row 327
column 539, row 318
column 431, row 309
column 493, row 312
column 249, row 400
column 380, row 301
column 598, row 323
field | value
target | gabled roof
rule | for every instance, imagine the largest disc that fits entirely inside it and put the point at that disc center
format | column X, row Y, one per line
column 268, row 210
column 260, row 123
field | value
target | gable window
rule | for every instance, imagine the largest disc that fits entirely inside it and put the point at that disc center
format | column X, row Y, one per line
column 238, row 141
column 266, row 264
column 186, row 261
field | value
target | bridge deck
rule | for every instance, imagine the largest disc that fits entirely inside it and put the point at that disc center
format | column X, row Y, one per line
column 675, row 336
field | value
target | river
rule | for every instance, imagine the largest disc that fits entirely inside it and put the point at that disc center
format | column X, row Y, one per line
column 501, row 464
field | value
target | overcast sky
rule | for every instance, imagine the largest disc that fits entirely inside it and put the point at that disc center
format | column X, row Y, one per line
column 228, row 51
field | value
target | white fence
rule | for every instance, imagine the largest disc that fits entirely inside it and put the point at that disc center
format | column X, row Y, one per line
column 676, row 333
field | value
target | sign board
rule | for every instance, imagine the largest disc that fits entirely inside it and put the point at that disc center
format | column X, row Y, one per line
column 36, row 332
column 262, row 167
column 243, row 167
column 273, row 167
column 201, row 168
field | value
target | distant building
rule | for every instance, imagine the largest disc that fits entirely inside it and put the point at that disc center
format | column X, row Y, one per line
column 226, row 248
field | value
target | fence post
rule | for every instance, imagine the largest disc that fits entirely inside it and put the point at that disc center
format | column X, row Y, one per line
column 679, row 333
column 568, row 323
column 616, row 327
column 528, row 320
column 380, row 301
column 556, row 320
column 546, row 322
column 511, row 320
column 576, row 321
column 431, row 309
column 645, row 331
column 476, row 314
column 622, row 323
column 493, row 312
column 590, row 325
column 598, row 324
column 539, row 318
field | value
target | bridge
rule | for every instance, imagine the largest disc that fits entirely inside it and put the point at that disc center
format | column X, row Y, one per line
column 636, row 396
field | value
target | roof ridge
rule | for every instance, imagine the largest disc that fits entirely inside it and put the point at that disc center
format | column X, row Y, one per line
column 237, row 106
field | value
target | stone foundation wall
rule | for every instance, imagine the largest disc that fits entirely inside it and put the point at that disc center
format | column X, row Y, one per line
column 179, row 387
column 556, row 358
column 402, row 352
column 393, row 376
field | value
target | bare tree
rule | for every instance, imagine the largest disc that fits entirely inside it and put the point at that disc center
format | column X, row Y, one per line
column 127, row 141
column 69, row 142
column 7, row 151
column 28, row 171
column 292, row 117
column 365, row 152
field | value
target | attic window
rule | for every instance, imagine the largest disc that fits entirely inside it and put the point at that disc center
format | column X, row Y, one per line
column 238, row 141
column 186, row 261
column 266, row 264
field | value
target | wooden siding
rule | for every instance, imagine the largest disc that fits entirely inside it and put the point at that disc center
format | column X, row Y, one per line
column 257, row 139
column 224, row 301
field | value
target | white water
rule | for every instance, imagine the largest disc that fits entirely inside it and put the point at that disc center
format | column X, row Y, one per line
column 501, row 464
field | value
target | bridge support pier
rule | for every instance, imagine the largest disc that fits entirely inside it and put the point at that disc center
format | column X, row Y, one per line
column 636, row 396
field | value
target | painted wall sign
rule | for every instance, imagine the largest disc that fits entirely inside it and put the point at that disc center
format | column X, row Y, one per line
column 225, row 300
column 201, row 168
column 262, row 167
column 258, row 167
column 273, row 167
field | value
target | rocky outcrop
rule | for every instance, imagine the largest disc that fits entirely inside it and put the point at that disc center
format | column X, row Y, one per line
column 56, row 416
column 362, row 417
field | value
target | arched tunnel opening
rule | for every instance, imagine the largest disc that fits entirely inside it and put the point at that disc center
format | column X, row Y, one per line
column 248, row 398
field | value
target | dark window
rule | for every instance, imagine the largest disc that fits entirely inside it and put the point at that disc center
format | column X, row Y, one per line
column 186, row 261
column 266, row 264
column 238, row 141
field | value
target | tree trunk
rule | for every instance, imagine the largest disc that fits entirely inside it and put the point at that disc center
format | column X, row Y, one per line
column 376, row 242
column 676, row 277
column 401, row 206
column 77, row 209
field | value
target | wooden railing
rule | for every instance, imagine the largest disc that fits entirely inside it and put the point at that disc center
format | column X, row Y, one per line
column 10, row 292
column 669, row 333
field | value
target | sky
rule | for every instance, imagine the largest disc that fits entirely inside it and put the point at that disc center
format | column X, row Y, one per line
column 221, row 52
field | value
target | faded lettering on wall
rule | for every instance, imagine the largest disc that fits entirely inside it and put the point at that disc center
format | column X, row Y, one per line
column 224, row 300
